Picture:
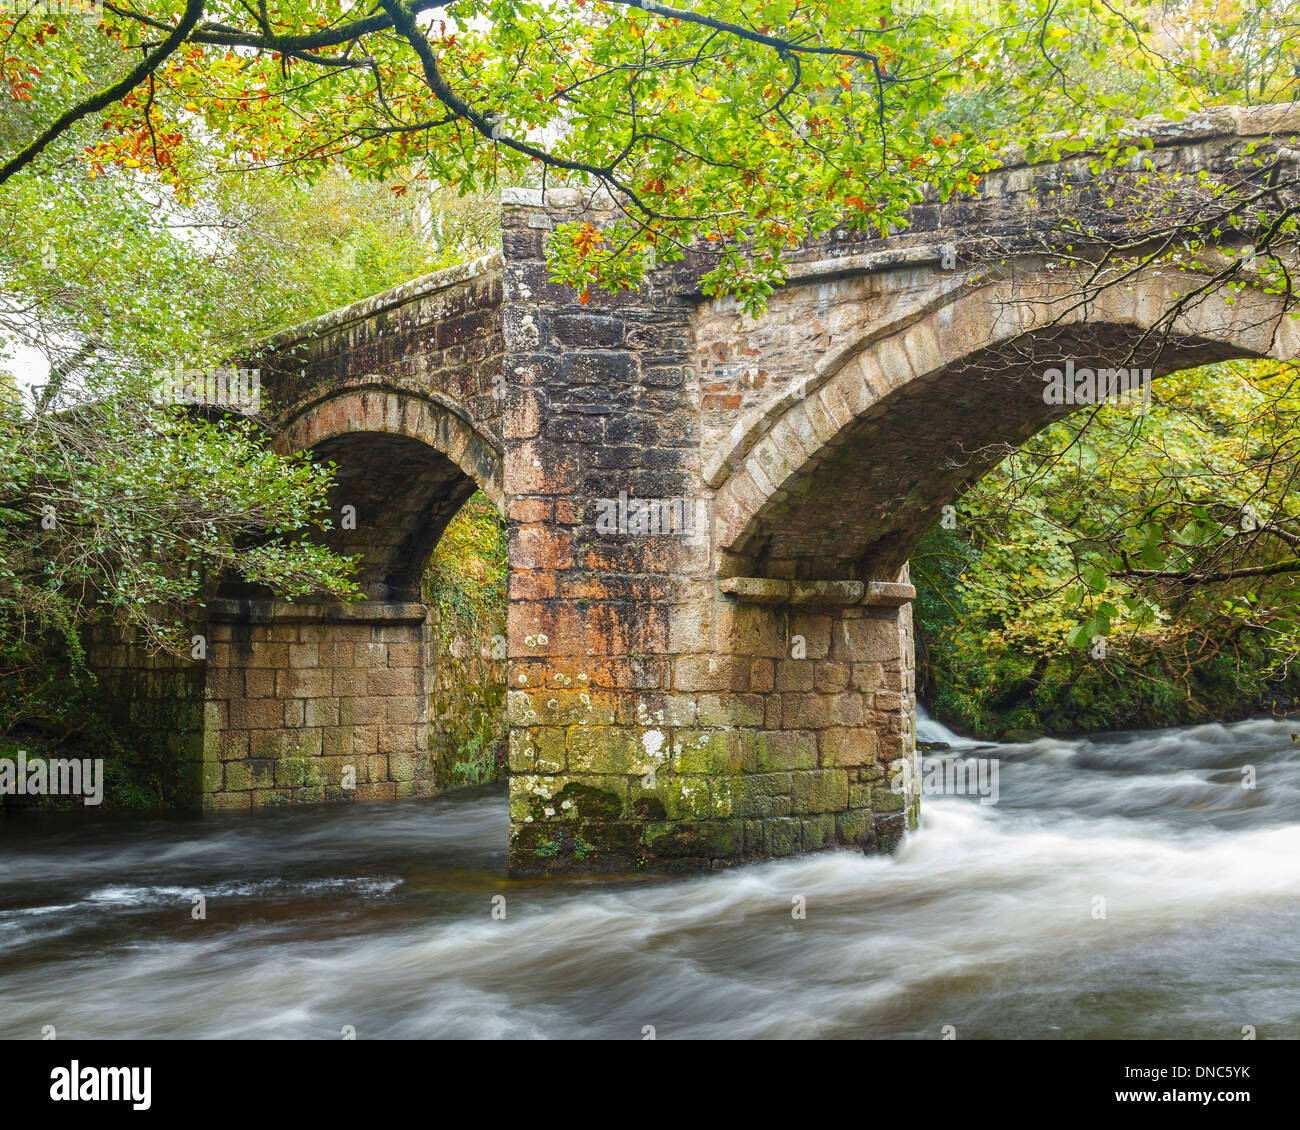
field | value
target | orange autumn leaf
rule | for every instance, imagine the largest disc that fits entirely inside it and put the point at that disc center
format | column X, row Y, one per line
column 586, row 239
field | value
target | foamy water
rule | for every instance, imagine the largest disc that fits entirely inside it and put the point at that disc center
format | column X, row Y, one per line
column 379, row 916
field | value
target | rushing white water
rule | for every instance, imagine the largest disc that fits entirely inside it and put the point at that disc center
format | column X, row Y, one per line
column 379, row 916
column 928, row 730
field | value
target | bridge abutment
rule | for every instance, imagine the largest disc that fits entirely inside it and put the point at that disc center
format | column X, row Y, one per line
column 306, row 703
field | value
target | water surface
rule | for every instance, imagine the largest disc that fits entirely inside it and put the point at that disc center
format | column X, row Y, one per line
column 379, row 917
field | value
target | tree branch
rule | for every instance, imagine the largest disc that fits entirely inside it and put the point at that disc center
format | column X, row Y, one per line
column 106, row 97
column 1277, row 568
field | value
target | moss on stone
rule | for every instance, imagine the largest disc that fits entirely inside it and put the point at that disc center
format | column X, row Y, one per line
column 649, row 807
column 707, row 839
column 576, row 802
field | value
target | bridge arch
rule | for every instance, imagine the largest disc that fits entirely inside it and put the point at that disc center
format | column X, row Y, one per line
column 854, row 466
column 321, row 699
column 406, row 463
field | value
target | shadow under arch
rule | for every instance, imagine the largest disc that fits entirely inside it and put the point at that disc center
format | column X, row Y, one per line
column 325, row 699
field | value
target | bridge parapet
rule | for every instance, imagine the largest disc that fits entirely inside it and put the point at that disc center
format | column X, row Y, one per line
column 438, row 336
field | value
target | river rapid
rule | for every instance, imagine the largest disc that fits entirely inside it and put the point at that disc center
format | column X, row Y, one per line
column 987, row 923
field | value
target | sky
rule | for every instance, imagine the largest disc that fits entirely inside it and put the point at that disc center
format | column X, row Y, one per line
column 28, row 366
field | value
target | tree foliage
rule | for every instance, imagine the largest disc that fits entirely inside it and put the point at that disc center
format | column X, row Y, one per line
column 129, row 508
column 466, row 583
column 739, row 130
column 1073, row 586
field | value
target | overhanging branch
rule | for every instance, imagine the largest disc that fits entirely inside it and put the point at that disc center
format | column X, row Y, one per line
column 106, row 97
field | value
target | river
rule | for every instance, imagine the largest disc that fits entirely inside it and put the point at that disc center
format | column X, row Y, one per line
column 377, row 918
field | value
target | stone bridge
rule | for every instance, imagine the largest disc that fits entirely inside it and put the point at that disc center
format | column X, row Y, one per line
column 709, row 516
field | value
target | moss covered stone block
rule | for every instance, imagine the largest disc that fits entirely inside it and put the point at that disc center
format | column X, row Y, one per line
column 886, row 800
column 540, row 799
column 784, row 835
column 855, row 827
column 592, row 846
column 228, row 800
column 617, row 750
column 764, row 794
column 848, row 746
column 291, row 773
column 706, row 839
column 685, row 797
column 889, row 831
column 776, row 750
column 538, row 750
column 819, row 790
column 713, row 751
column 817, row 832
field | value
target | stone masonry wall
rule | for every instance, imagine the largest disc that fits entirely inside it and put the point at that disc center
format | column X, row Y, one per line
column 156, row 704
column 301, row 697
column 439, row 334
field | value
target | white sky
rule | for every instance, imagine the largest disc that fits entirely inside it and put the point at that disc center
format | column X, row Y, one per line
column 28, row 366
